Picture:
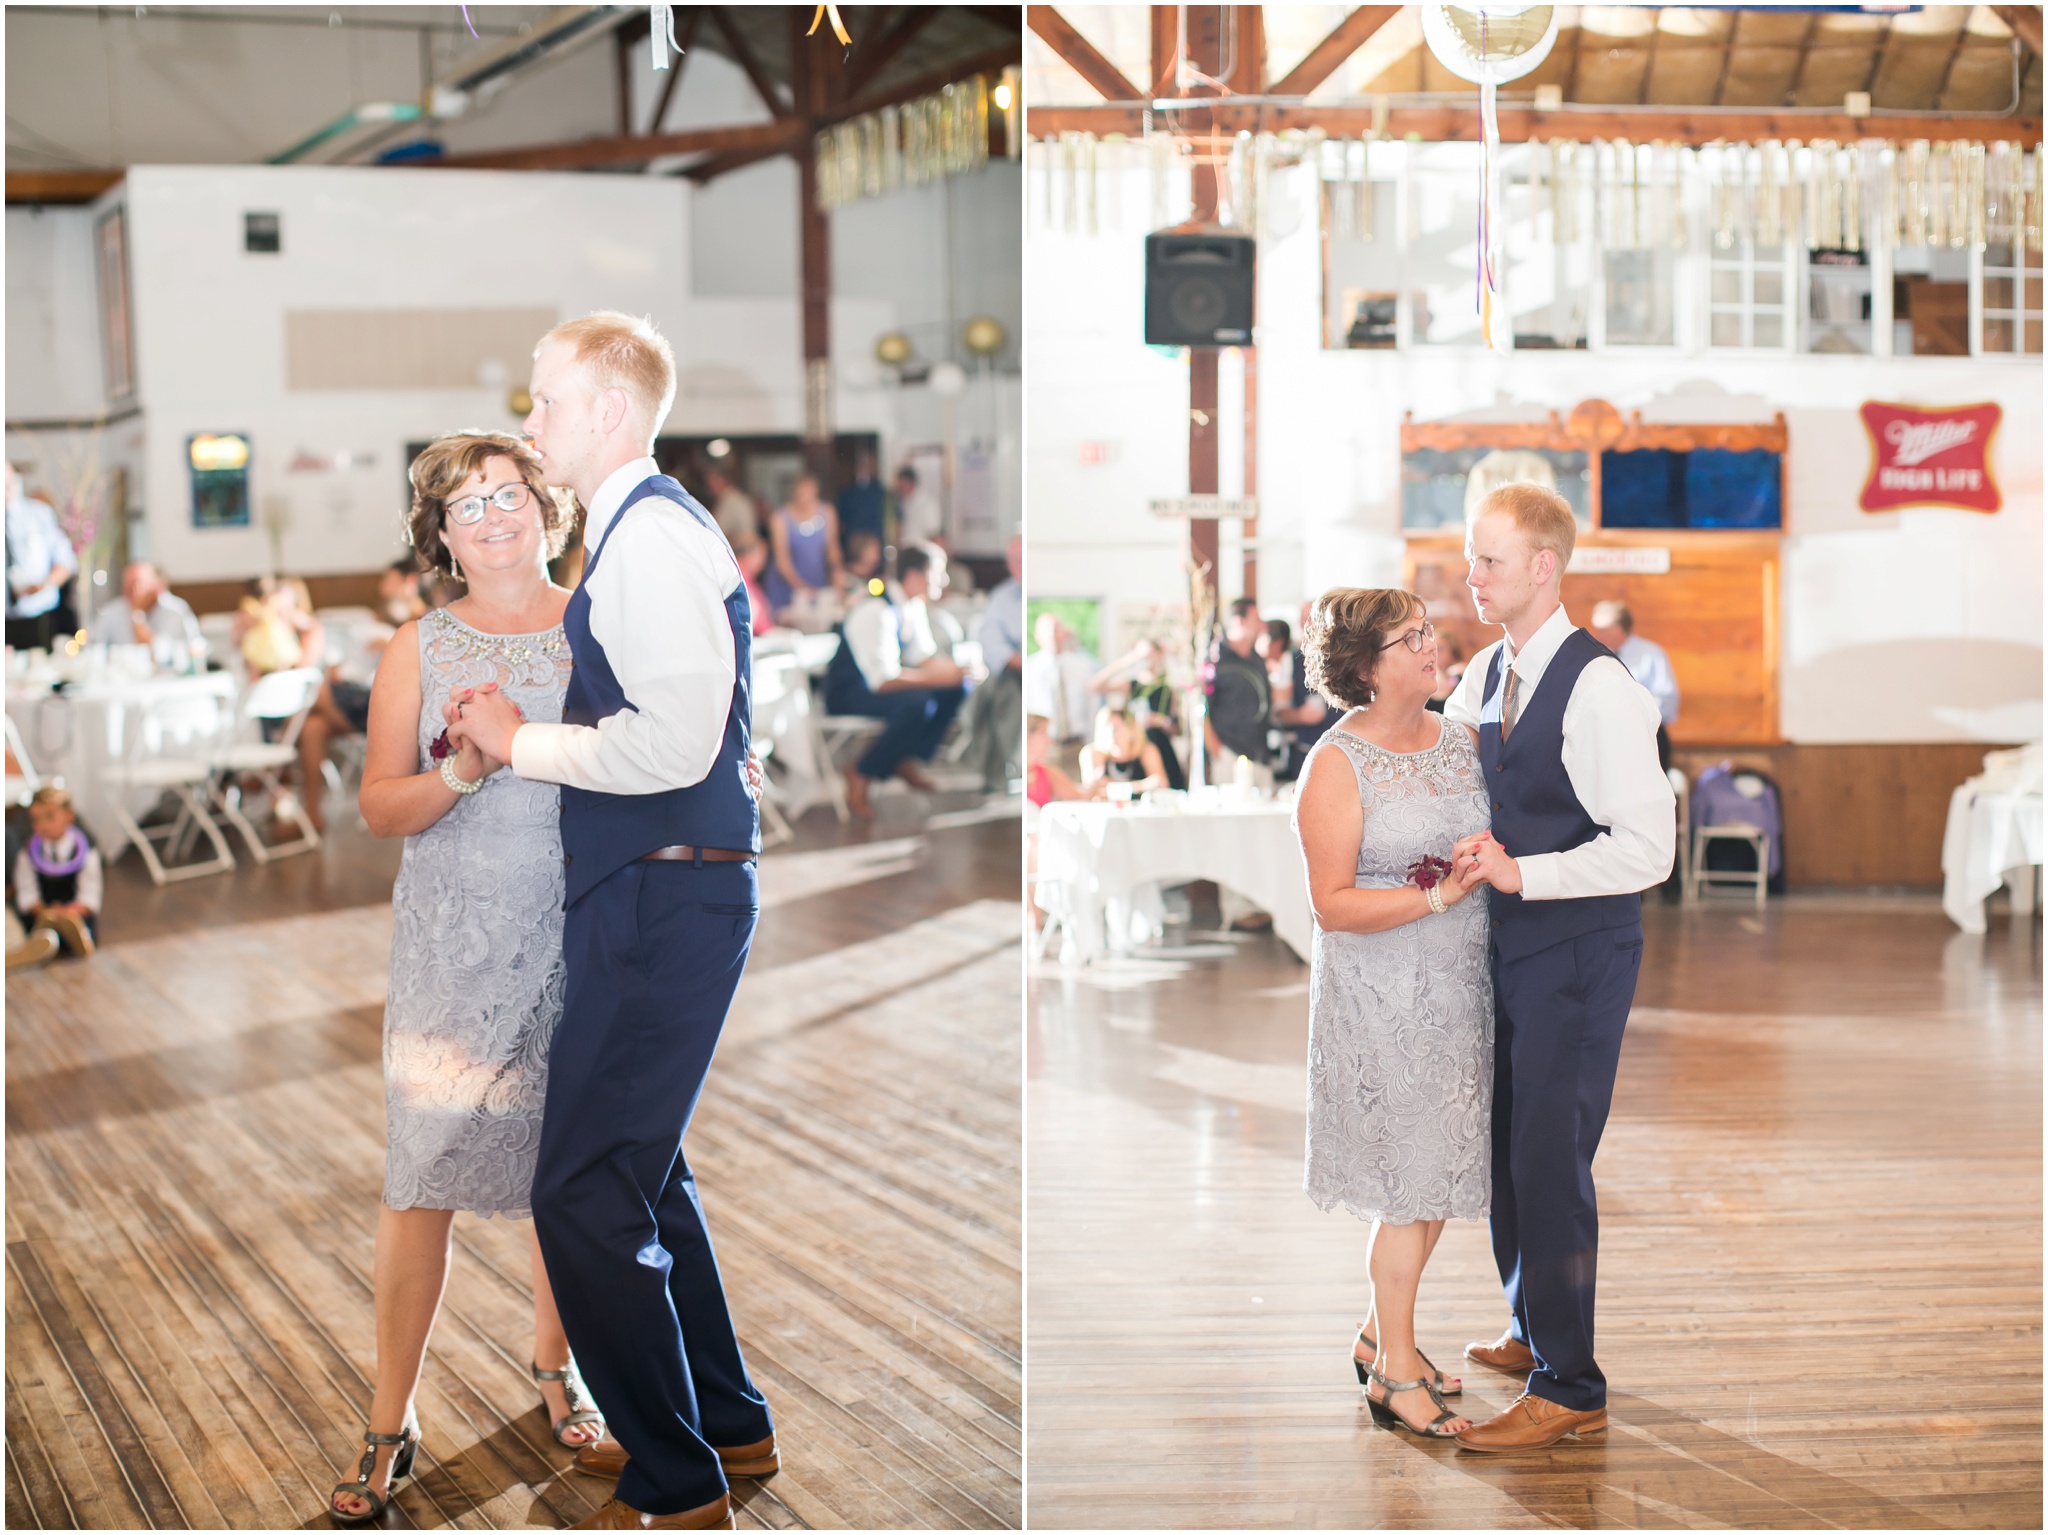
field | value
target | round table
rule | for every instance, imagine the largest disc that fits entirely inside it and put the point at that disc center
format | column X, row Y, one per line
column 1096, row 860
column 1989, row 836
column 77, row 733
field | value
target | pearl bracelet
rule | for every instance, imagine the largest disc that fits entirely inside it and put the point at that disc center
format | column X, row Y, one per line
column 455, row 780
column 1433, row 894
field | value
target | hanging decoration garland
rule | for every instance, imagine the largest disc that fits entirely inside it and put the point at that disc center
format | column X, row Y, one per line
column 922, row 141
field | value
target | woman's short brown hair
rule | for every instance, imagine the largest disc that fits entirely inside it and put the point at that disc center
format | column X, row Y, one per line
column 446, row 464
column 1347, row 629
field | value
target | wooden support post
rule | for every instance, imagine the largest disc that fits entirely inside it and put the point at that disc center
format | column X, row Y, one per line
column 809, row 86
column 1251, row 468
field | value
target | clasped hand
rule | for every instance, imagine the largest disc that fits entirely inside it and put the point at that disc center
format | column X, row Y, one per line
column 1478, row 859
column 482, row 722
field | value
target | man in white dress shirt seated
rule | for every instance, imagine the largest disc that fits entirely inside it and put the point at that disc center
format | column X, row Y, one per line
column 895, row 663
column 1582, row 823
column 148, row 613
column 1615, row 627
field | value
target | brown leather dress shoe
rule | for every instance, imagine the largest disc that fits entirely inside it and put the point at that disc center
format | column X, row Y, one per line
column 1508, row 1354
column 608, row 1457
column 1531, row 1423
column 716, row 1515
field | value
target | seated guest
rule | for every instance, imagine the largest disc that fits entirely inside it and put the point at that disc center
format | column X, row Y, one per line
column 863, row 506
column 804, row 539
column 57, row 877
column 275, row 629
column 40, row 560
column 890, row 666
column 1044, row 782
column 398, row 592
column 863, row 566
column 1121, row 753
column 147, row 613
column 1615, row 627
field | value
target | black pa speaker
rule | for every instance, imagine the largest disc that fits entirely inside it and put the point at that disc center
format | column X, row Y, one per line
column 1198, row 289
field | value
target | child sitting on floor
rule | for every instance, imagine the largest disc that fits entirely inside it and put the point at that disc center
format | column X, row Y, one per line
column 57, row 878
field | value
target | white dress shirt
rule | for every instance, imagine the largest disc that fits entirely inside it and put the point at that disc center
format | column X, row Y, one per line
column 28, row 889
column 1056, row 686
column 1610, row 756
column 1647, row 663
column 36, row 550
column 887, row 639
column 1002, row 625
column 174, row 630
column 657, row 606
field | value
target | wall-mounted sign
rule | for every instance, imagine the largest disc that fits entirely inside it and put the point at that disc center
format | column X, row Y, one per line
column 220, row 479
column 1206, row 506
column 1609, row 561
column 1930, row 457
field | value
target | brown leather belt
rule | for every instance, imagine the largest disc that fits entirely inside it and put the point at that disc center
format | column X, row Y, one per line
column 680, row 854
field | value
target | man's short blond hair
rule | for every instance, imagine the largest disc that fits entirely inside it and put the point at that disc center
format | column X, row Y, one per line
column 626, row 353
column 1541, row 516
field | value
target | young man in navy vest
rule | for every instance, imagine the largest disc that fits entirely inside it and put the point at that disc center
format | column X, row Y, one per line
column 659, row 832
column 1583, row 819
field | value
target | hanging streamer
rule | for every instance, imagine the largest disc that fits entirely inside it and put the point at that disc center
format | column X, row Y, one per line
column 1492, row 308
column 661, row 33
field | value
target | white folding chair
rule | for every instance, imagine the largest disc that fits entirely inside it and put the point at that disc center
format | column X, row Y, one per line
column 1756, row 838
column 775, row 827
column 22, row 778
column 192, row 726
column 287, row 696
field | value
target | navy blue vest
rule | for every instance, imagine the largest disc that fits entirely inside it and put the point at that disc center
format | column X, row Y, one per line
column 602, row 833
column 1535, row 809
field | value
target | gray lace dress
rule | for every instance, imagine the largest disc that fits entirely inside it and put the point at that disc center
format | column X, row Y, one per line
column 1400, row 1056
column 476, row 950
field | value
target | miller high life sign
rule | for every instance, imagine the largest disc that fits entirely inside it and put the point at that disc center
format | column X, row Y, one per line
column 1930, row 457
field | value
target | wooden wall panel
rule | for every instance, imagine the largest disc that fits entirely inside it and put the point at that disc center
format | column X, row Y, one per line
column 410, row 348
column 1714, row 612
column 1857, row 815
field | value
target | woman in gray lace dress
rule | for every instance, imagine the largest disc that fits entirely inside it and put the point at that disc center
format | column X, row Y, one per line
column 476, row 948
column 1400, row 1067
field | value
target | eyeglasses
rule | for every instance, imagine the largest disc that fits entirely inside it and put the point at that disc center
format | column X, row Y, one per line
column 515, row 497
column 1414, row 639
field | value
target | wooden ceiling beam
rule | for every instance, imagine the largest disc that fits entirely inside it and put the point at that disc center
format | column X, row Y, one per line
column 1328, row 56
column 875, row 54
column 588, row 154
column 1446, row 124
column 711, row 167
column 1080, row 55
column 2025, row 21
column 54, row 187
column 743, row 55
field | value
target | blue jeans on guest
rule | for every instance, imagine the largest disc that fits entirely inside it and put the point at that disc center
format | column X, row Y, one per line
column 916, row 720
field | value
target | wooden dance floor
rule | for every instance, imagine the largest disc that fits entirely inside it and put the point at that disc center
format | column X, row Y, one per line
column 195, row 1154
column 1820, row 1278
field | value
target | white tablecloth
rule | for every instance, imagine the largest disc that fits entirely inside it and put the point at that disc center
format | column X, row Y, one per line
column 1988, row 835
column 1094, row 859
column 77, row 735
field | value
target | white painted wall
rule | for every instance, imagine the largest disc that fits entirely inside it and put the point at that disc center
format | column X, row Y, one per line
column 1906, row 626
column 210, row 331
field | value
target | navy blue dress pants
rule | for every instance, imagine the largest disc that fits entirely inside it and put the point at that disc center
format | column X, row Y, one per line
column 1558, row 1018
column 653, row 956
column 915, row 719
